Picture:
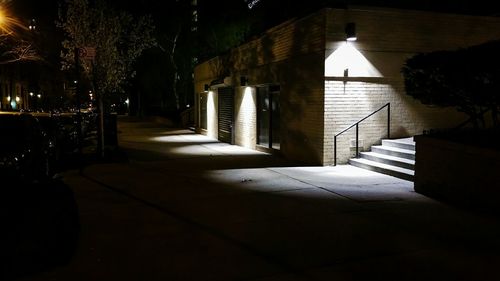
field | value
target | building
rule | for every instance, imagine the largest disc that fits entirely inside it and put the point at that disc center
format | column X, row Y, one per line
column 14, row 93
column 300, row 83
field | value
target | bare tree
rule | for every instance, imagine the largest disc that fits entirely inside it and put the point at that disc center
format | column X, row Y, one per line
column 15, row 42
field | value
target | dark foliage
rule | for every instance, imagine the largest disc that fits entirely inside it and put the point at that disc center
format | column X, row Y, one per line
column 468, row 79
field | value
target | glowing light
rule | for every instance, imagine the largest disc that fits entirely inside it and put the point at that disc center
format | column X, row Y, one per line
column 184, row 138
column 31, row 94
column 252, row 3
column 18, row 99
column 212, row 125
column 32, row 25
column 8, row 98
column 38, row 96
column 127, row 101
column 7, row 23
column 2, row 16
column 245, row 117
column 348, row 61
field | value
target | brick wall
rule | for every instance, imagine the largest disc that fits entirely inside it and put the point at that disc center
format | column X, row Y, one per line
column 349, row 102
column 245, row 117
column 317, row 100
column 212, row 115
column 290, row 55
column 386, row 38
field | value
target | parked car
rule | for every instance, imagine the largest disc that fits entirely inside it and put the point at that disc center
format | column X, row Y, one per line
column 57, row 136
column 69, row 123
column 26, row 151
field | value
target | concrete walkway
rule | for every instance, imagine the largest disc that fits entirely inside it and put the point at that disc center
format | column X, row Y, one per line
column 186, row 207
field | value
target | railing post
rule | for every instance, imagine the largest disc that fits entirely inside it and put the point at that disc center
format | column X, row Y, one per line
column 357, row 140
column 334, row 150
column 389, row 120
column 357, row 131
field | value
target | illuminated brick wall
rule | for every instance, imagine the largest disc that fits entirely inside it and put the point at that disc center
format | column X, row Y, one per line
column 245, row 117
column 386, row 38
column 290, row 55
column 304, row 57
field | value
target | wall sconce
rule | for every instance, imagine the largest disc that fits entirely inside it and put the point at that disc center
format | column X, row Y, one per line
column 350, row 31
column 206, row 88
column 243, row 81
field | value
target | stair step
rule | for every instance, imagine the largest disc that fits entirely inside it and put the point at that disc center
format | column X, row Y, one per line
column 398, row 172
column 394, row 151
column 406, row 143
column 389, row 160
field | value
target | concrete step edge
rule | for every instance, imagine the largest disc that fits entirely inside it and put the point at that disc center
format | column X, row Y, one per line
column 401, row 173
column 389, row 160
column 399, row 144
column 393, row 151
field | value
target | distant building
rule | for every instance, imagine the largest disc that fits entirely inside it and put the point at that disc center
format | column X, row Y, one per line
column 291, row 90
column 14, row 94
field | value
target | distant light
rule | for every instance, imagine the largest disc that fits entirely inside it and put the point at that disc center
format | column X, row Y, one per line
column 38, row 96
column 31, row 94
column 252, row 3
column 351, row 39
column 127, row 101
column 8, row 98
column 32, row 25
column 18, row 99
column 188, row 106
column 75, row 81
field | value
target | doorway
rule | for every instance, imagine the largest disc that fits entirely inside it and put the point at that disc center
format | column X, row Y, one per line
column 268, row 116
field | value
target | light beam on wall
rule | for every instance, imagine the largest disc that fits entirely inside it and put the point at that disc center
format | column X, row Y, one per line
column 246, row 118
column 348, row 61
column 211, row 115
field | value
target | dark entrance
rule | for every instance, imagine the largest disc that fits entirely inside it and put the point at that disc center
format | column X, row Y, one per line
column 268, row 116
column 203, row 110
column 226, row 114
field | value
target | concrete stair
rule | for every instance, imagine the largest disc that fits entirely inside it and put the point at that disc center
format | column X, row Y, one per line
column 395, row 157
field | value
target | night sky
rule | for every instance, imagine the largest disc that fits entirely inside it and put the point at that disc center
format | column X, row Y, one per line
column 272, row 9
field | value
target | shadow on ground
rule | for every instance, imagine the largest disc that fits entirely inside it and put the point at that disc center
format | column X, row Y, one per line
column 40, row 227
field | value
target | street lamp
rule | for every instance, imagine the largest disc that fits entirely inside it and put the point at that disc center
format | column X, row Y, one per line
column 2, row 17
column 8, row 23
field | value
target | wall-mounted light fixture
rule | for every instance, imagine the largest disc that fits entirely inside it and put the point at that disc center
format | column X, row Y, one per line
column 243, row 81
column 350, row 31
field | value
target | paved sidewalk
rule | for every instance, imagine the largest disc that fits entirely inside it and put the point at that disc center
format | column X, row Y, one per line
column 186, row 207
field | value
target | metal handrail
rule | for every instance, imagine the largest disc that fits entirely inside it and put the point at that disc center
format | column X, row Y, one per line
column 388, row 105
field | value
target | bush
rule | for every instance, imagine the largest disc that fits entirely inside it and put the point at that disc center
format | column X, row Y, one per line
column 468, row 79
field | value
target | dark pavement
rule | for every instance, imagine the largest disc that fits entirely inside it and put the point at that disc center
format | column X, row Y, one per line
column 183, row 206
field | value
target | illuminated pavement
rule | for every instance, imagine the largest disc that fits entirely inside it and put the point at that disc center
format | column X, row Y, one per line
column 186, row 207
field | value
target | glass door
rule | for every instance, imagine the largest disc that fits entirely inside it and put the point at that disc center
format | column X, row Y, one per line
column 268, row 117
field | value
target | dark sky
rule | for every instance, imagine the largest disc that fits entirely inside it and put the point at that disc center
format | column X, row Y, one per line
column 48, row 8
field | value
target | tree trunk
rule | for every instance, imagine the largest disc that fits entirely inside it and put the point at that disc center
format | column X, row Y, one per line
column 176, row 72
column 494, row 116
